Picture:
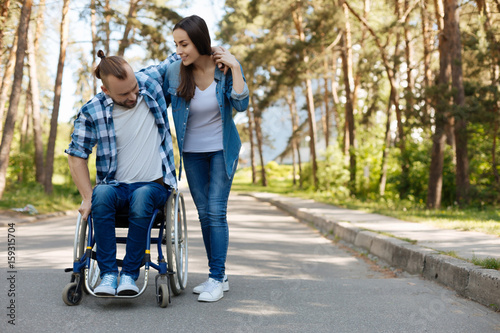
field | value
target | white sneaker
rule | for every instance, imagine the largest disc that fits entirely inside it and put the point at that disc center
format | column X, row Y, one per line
column 213, row 291
column 201, row 287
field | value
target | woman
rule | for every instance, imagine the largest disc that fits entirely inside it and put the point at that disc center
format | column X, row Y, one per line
column 202, row 99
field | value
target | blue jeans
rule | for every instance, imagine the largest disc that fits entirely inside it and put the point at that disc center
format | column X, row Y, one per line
column 141, row 199
column 210, row 186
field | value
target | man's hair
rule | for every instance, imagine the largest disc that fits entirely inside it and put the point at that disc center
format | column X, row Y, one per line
column 113, row 65
column 197, row 30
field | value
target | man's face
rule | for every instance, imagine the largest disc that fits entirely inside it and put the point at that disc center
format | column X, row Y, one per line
column 123, row 92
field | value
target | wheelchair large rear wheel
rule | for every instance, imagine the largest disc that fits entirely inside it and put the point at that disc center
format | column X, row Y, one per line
column 80, row 246
column 181, row 241
column 176, row 241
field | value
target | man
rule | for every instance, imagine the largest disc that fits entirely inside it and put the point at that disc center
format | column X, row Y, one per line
column 128, row 123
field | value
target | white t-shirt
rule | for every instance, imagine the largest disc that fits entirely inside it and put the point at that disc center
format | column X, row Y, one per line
column 138, row 144
column 204, row 126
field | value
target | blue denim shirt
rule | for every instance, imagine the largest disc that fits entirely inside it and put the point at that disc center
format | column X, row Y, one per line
column 227, row 99
column 94, row 126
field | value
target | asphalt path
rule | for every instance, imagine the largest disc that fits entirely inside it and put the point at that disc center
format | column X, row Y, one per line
column 284, row 277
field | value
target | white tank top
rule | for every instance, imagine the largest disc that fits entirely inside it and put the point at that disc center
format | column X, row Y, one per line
column 137, row 143
column 204, row 126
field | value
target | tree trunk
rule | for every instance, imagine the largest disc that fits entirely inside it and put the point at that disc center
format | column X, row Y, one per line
column 427, row 49
column 494, row 46
column 409, row 63
column 349, row 134
column 35, row 105
column 107, row 28
column 335, row 97
column 24, row 137
column 49, row 160
column 24, row 125
column 10, row 121
column 385, row 151
column 125, row 42
column 326, row 101
column 290, row 99
column 298, row 21
column 252, row 145
column 4, row 13
column 450, row 122
column 93, row 29
column 7, row 78
column 258, row 133
column 462, row 167
column 434, row 191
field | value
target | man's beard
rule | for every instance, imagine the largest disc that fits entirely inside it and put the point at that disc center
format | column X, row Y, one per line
column 126, row 104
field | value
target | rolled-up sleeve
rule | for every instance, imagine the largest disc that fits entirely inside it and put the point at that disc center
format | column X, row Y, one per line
column 239, row 101
column 159, row 72
column 83, row 138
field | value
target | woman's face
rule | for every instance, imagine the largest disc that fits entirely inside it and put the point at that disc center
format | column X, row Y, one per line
column 185, row 47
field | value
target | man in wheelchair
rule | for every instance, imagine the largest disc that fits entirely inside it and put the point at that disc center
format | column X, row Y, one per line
column 134, row 161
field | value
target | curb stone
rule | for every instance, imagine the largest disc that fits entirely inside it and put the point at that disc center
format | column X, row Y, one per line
column 19, row 218
column 468, row 280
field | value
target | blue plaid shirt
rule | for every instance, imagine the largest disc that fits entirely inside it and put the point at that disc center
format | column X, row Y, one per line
column 94, row 125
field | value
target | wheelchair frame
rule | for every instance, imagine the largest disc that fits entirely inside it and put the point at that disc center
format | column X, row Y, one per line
column 172, row 269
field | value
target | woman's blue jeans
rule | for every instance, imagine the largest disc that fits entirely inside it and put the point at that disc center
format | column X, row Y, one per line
column 140, row 199
column 210, row 186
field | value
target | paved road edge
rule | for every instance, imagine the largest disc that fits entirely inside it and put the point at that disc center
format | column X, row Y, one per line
column 468, row 280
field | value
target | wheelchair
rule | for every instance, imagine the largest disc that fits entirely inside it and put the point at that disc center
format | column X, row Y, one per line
column 172, row 271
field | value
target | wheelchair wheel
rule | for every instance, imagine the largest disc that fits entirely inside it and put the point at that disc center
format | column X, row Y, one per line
column 181, row 241
column 71, row 295
column 163, row 295
column 79, row 249
column 170, row 227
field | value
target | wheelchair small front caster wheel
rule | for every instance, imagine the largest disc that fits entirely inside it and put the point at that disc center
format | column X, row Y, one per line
column 71, row 295
column 163, row 297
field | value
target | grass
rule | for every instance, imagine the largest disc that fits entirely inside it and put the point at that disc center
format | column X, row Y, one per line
column 490, row 263
column 484, row 219
column 64, row 197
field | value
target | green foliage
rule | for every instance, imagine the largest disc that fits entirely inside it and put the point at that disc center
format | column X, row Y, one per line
column 64, row 197
column 489, row 262
column 485, row 219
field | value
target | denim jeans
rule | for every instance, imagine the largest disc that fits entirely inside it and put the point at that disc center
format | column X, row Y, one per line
column 210, row 186
column 141, row 199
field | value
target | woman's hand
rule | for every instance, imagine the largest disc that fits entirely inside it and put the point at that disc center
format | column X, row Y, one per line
column 223, row 57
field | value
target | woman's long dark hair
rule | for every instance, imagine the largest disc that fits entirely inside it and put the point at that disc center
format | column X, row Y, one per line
column 197, row 30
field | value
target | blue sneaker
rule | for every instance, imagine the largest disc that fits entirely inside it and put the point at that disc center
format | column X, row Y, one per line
column 107, row 287
column 127, row 286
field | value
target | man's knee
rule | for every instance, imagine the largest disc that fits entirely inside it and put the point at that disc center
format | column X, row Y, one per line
column 103, row 194
column 146, row 198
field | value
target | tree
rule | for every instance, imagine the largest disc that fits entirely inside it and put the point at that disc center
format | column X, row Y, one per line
column 349, row 129
column 33, row 42
column 7, row 77
column 132, row 12
column 10, row 121
column 4, row 12
column 49, row 158
column 298, row 21
column 451, row 19
column 434, row 191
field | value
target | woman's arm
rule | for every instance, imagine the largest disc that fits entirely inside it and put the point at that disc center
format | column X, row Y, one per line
column 222, row 56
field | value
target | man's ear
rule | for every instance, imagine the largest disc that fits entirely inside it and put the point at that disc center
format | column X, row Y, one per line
column 104, row 90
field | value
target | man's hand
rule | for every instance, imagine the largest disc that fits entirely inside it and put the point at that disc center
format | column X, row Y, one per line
column 85, row 209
